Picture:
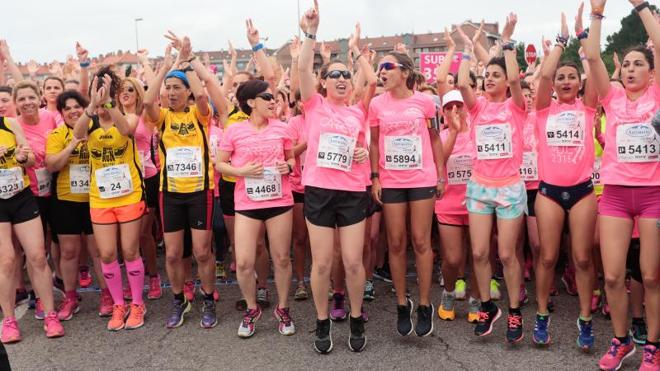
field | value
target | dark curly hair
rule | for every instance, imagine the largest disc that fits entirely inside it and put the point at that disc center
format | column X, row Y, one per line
column 70, row 94
column 115, row 85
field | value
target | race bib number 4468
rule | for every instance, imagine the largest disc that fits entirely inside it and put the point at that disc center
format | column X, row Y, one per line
column 494, row 141
column 637, row 142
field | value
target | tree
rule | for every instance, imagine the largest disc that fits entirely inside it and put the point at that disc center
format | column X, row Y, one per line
column 632, row 33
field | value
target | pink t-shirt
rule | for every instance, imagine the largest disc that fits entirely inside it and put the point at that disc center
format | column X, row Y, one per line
column 333, row 133
column 143, row 139
column 566, row 146
column 266, row 146
column 459, row 170
column 36, row 135
column 497, row 137
column 59, row 120
column 529, row 169
column 632, row 147
column 215, row 138
column 298, row 135
column 406, row 156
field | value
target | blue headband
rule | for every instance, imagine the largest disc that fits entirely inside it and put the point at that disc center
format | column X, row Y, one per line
column 179, row 75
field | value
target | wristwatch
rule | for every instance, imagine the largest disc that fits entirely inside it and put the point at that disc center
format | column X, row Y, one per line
column 109, row 105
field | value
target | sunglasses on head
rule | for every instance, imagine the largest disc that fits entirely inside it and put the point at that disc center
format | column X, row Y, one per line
column 387, row 66
column 334, row 74
column 266, row 96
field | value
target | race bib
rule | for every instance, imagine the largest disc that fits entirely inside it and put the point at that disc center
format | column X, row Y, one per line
column 335, row 151
column 79, row 178
column 459, row 169
column 595, row 175
column 565, row 129
column 268, row 187
column 184, row 162
column 114, row 181
column 11, row 182
column 494, row 141
column 43, row 181
column 529, row 170
column 403, row 152
column 637, row 142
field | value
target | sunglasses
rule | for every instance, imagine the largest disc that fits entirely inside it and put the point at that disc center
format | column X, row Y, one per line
column 266, row 96
column 334, row 74
column 129, row 89
column 388, row 66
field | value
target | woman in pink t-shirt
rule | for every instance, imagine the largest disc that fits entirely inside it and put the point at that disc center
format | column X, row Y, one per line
column 53, row 87
column 335, row 183
column 259, row 153
column 565, row 157
column 407, row 171
column 495, row 186
column 630, row 173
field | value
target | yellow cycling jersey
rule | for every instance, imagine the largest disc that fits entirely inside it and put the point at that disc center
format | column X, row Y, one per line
column 235, row 116
column 184, row 151
column 72, row 181
column 13, row 178
column 115, row 177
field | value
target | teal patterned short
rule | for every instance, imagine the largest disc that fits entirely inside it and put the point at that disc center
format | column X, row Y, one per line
column 508, row 202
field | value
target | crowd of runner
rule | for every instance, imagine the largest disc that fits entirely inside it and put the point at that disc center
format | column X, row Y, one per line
column 349, row 164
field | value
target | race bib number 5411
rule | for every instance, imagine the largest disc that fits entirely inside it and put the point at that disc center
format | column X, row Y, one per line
column 494, row 141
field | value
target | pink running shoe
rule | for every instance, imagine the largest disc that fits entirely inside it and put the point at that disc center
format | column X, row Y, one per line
column 596, row 301
column 189, row 290
column 155, row 292
column 651, row 359
column 10, row 331
column 84, row 278
column 52, row 326
column 39, row 309
column 68, row 307
column 614, row 357
column 105, row 305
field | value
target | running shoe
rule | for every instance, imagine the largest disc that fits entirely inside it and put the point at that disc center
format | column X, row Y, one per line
column 424, row 325
column 596, row 301
column 639, row 333
column 189, row 290
column 524, row 299
column 52, row 326
column 247, row 326
column 10, row 331
column 209, row 318
column 179, row 310
column 338, row 311
column 286, row 326
column 105, row 303
column 568, row 279
column 495, row 293
column 383, row 274
column 323, row 342
column 446, row 311
column 404, row 318
column 155, row 291
column 301, row 292
column 84, row 278
column 136, row 316
column 357, row 340
column 541, row 335
column 262, row 297
column 369, row 291
column 613, row 359
column 473, row 311
column 67, row 308
column 118, row 320
column 486, row 321
column 22, row 297
column 39, row 309
column 651, row 358
column 514, row 330
column 220, row 272
column 585, row 340
column 459, row 290
column 128, row 295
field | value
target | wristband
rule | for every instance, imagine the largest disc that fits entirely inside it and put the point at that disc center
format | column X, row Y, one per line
column 109, row 105
column 310, row 36
column 583, row 58
column 642, row 6
column 187, row 69
column 562, row 40
column 192, row 59
column 257, row 47
column 597, row 16
column 510, row 45
column 583, row 35
column 374, row 175
column 356, row 58
column 84, row 64
column 466, row 57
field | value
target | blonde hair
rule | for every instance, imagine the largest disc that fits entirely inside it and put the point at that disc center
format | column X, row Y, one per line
column 139, row 92
column 25, row 84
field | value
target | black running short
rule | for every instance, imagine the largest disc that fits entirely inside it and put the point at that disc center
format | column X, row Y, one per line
column 180, row 210
column 399, row 195
column 332, row 208
column 20, row 208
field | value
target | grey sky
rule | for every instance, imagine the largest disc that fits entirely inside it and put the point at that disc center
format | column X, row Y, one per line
column 48, row 29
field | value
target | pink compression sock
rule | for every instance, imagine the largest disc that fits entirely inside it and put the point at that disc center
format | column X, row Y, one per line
column 112, row 276
column 135, row 273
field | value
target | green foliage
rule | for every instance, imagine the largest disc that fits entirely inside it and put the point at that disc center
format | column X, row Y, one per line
column 632, row 33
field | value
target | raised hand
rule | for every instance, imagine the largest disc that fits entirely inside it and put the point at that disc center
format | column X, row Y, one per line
column 143, row 56
column 579, row 26
column 401, row 48
column 354, row 41
column 186, row 50
column 615, row 60
column 545, row 44
column 309, row 22
column 55, row 68
column 477, row 35
column 448, row 40
column 82, row 53
column 509, row 27
column 176, row 42
column 598, row 6
column 95, row 93
column 105, row 95
column 454, row 119
column 232, row 51
column 4, row 49
column 564, row 27
column 468, row 45
column 326, row 52
column 167, row 58
column 294, row 48
column 32, row 67
column 252, row 32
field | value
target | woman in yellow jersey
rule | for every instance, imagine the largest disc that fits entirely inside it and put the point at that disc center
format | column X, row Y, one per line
column 116, row 195
column 186, row 197
column 19, row 213
column 67, row 159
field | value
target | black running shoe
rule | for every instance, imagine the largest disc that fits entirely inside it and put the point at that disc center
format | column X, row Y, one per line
column 357, row 340
column 486, row 321
column 514, row 331
column 424, row 320
column 404, row 318
column 323, row 341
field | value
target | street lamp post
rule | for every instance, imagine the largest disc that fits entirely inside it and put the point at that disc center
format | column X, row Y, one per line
column 137, row 43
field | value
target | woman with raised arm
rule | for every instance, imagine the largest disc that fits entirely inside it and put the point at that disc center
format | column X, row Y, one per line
column 631, row 174
column 495, row 186
column 335, row 179
column 565, row 158
column 407, row 171
column 186, row 176
column 116, row 195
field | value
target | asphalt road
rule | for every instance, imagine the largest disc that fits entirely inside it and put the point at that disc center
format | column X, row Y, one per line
column 89, row 346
